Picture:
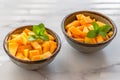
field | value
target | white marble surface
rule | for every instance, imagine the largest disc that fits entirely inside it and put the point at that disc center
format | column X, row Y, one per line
column 69, row 63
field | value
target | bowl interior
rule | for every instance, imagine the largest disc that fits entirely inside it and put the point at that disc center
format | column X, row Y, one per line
column 19, row 30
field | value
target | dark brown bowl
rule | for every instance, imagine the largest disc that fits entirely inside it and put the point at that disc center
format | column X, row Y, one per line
column 31, row 65
column 84, row 47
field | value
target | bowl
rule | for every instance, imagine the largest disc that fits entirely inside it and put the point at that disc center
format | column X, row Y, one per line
column 31, row 65
column 85, row 47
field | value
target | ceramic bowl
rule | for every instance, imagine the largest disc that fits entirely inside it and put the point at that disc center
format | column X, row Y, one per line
column 84, row 47
column 31, row 65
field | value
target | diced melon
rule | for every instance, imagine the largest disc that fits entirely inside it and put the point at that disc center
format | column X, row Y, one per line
column 28, row 46
column 53, row 46
column 12, row 48
column 87, row 40
column 35, row 45
column 20, row 56
column 90, row 40
column 33, row 53
column 75, row 31
column 51, row 37
column 46, row 46
column 37, row 57
column 14, row 35
column 21, row 48
column 26, row 59
column 80, row 28
column 27, row 31
column 100, row 23
column 74, row 23
column 99, row 39
column 110, row 33
column 85, row 30
column 80, row 39
column 69, row 33
column 26, row 52
column 80, row 16
column 90, row 27
column 46, row 55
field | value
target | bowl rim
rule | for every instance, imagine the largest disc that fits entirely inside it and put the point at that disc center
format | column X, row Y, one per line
column 36, row 61
column 92, row 12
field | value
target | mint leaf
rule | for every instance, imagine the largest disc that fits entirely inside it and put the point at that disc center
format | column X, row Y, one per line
column 106, row 28
column 36, row 29
column 39, row 31
column 91, row 34
column 31, row 38
column 95, row 25
column 44, row 37
column 42, row 29
column 102, row 33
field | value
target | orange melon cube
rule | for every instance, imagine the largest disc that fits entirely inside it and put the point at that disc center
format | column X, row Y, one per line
column 37, row 57
column 27, row 31
column 80, row 39
column 35, row 45
column 99, row 39
column 46, row 46
column 51, row 37
column 53, row 46
column 26, row 52
column 14, row 35
column 80, row 16
column 100, row 23
column 33, row 53
column 85, row 30
column 12, row 48
column 21, row 48
column 74, row 23
column 46, row 55
column 20, row 56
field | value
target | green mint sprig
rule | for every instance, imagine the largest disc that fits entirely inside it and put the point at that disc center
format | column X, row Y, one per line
column 39, row 31
column 98, row 30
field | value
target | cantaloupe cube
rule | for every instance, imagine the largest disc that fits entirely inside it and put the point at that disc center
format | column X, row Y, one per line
column 26, row 52
column 24, row 38
column 75, row 31
column 20, row 56
column 80, row 39
column 93, row 41
column 27, row 31
column 46, row 55
column 110, row 33
column 69, row 33
column 99, row 39
column 35, row 45
column 33, row 53
column 85, row 30
column 21, row 48
column 28, row 46
column 90, row 27
column 80, row 16
column 51, row 37
column 46, row 46
column 53, row 46
column 14, row 35
column 100, row 23
column 37, row 57
column 74, row 23
column 12, row 48
column 80, row 28
column 88, row 40
column 26, row 59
